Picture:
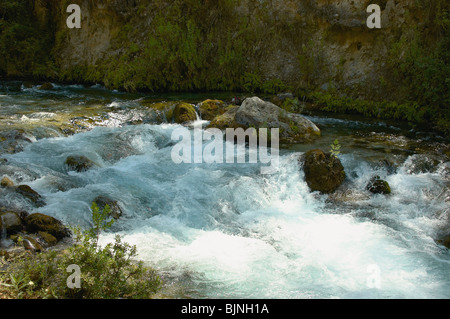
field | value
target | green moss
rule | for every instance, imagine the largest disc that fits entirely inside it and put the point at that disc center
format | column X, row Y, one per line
column 25, row 36
column 184, row 113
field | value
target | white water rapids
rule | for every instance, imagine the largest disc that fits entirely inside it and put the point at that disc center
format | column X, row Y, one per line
column 226, row 231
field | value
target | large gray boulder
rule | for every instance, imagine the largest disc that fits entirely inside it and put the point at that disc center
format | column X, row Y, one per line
column 254, row 112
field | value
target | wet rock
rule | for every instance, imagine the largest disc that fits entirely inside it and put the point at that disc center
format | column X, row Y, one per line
column 32, row 244
column 323, row 172
column 79, row 163
column 209, row 109
column 48, row 239
column 421, row 163
column 378, row 186
column 31, row 194
column 27, row 84
column 226, row 120
column 46, row 86
column 184, row 113
column 11, row 222
column 39, row 222
column 445, row 240
column 102, row 201
column 6, row 182
column 14, row 141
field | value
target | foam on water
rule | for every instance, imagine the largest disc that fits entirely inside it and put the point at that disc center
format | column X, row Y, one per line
column 225, row 230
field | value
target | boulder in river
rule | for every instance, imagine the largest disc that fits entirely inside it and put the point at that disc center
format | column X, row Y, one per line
column 79, row 163
column 102, row 201
column 323, row 171
column 254, row 112
column 184, row 113
column 6, row 182
column 10, row 222
column 378, row 186
column 209, row 109
column 445, row 240
column 39, row 222
column 27, row 192
column 46, row 86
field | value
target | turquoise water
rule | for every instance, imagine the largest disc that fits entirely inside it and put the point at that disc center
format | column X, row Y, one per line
column 225, row 230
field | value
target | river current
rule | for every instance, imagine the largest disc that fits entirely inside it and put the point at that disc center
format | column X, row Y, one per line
column 226, row 230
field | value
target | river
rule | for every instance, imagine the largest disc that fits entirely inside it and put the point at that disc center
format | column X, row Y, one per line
column 226, row 230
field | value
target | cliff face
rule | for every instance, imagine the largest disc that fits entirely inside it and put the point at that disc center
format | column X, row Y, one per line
column 247, row 45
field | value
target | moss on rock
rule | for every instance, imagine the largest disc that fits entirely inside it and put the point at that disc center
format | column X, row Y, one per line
column 39, row 222
column 209, row 109
column 378, row 186
column 184, row 113
column 79, row 163
column 323, row 172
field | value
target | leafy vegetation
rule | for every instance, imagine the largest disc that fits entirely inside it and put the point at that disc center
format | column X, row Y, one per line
column 24, row 40
column 107, row 272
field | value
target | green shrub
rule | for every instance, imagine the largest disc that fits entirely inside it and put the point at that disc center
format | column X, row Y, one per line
column 108, row 272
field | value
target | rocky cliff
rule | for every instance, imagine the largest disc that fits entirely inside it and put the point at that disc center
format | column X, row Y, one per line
column 251, row 45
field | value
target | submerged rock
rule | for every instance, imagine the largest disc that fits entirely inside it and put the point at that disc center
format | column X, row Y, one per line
column 46, row 86
column 102, row 201
column 39, row 222
column 378, row 186
column 445, row 240
column 323, row 172
column 79, row 163
column 31, row 194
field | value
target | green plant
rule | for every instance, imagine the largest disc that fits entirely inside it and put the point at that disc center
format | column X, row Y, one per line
column 334, row 151
column 100, row 221
column 107, row 272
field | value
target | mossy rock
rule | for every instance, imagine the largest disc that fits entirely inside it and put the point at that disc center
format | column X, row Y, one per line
column 323, row 172
column 11, row 222
column 225, row 120
column 46, row 86
column 39, row 222
column 378, row 186
column 79, row 163
column 47, row 238
column 183, row 113
column 163, row 110
column 209, row 109
column 6, row 182
column 116, row 210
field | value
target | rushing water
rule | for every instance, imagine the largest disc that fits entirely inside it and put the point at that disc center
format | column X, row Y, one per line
column 225, row 230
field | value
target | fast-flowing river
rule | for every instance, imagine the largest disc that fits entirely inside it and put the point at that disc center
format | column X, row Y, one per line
column 226, row 230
